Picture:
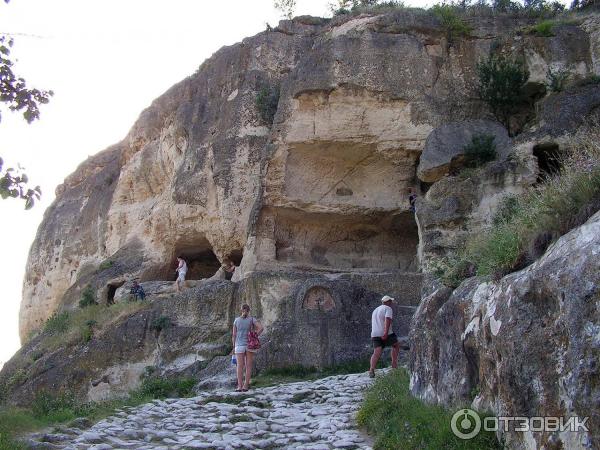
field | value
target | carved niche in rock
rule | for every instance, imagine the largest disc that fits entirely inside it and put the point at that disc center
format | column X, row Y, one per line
column 318, row 298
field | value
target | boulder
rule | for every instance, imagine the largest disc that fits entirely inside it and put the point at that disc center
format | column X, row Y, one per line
column 444, row 147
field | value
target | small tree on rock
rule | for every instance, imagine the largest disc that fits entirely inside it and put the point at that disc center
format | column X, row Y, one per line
column 501, row 81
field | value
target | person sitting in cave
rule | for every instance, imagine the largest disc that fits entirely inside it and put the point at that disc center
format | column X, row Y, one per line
column 412, row 199
column 137, row 291
column 181, row 272
column 229, row 268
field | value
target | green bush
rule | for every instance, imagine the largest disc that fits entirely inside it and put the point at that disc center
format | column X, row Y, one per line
column 160, row 323
column 87, row 333
column 397, row 420
column 106, row 264
column 45, row 403
column 501, row 83
column 88, row 298
column 17, row 378
column 452, row 23
column 58, row 323
column 267, row 100
column 543, row 28
column 363, row 6
column 480, row 150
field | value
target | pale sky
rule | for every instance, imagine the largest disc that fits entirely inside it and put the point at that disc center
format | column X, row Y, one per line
column 106, row 61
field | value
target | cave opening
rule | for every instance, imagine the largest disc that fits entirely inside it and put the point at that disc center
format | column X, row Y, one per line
column 201, row 262
column 197, row 252
column 549, row 160
column 111, row 289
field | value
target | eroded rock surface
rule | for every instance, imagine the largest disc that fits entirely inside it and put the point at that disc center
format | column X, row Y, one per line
column 526, row 345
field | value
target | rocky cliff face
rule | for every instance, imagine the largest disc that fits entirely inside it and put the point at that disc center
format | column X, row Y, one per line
column 523, row 346
column 313, row 207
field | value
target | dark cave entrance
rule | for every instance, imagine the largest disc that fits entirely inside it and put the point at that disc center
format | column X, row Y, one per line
column 236, row 257
column 111, row 289
column 549, row 160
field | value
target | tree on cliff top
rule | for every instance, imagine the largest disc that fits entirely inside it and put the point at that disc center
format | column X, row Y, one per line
column 17, row 96
column 286, row 7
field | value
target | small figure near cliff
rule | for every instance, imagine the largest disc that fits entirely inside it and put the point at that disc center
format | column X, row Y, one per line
column 181, row 271
column 229, row 268
column 137, row 291
column 412, row 199
column 246, row 330
column 382, row 334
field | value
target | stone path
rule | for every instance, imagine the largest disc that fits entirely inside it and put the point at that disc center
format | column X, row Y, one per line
column 306, row 415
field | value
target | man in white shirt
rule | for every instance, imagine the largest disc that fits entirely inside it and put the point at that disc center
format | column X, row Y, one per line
column 382, row 334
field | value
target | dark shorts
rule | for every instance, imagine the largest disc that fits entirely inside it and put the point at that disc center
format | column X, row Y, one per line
column 391, row 340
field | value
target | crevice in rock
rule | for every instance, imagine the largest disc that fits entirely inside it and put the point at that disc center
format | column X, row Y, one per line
column 548, row 158
column 111, row 289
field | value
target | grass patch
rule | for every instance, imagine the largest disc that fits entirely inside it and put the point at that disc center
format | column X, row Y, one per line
column 155, row 387
column 88, row 297
column 398, row 420
column 105, row 265
column 525, row 226
column 58, row 323
column 70, row 328
column 545, row 28
column 48, row 409
column 356, row 7
column 451, row 21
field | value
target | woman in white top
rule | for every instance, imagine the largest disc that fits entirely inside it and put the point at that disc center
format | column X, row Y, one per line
column 181, row 271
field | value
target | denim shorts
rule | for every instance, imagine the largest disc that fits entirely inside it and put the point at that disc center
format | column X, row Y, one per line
column 243, row 349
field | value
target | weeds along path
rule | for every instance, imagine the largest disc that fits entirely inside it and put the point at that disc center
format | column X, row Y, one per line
column 314, row 415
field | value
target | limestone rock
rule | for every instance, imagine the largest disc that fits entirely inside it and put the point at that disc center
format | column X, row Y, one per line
column 444, row 148
column 526, row 345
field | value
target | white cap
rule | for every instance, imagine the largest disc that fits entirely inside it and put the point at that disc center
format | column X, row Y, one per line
column 387, row 298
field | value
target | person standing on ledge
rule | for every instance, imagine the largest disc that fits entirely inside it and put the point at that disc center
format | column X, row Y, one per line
column 382, row 334
column 181, row 272
column 412, row 199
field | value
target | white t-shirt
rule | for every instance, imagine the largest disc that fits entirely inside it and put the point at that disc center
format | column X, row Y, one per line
column 378, row 320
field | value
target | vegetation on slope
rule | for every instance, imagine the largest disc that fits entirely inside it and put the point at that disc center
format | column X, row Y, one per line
column 526, row 225
column 49, row 410
column 399, row 420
